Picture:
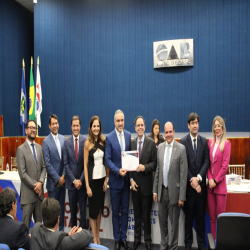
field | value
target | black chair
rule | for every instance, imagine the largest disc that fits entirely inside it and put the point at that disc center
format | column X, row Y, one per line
column 232, row 232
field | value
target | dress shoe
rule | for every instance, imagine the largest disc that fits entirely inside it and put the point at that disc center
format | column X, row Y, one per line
column 117, row 245
column 202, row 248
column 188, row 248
column 148, row 246
column 124, row 244
column 135, row 245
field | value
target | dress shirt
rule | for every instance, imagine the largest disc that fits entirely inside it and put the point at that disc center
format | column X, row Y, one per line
column 123, row 138
column 50, row 229
column 142, row 141
column 74, row 141
column 10, row 216
column 170, row 154
column 54, row 137
column 192, row 139
column 31, row 148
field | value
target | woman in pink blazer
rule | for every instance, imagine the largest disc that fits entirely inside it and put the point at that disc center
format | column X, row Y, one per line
column 219, row 152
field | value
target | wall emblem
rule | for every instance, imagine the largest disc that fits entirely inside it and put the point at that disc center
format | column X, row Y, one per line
column 173, row 53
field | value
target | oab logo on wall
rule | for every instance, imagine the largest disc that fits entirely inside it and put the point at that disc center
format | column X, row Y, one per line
column 173, row 53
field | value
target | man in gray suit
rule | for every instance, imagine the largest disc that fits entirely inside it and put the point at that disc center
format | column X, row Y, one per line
column 170, row 185
column 32, row 171
column 45, row 236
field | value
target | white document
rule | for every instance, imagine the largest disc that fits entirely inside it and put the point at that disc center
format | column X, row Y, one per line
column 130, row 160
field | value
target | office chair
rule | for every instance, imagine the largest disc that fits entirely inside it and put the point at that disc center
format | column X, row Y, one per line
column 93, row 246
column 232, row 232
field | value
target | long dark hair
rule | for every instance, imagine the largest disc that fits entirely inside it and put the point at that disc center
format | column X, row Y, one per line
column 100, row 136
column 155, row 122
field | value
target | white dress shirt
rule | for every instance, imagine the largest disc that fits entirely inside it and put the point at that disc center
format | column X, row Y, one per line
column 123, row 138
column 170, row 154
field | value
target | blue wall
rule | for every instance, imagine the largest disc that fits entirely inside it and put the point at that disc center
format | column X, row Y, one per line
column 16, row 43
column 97, row 56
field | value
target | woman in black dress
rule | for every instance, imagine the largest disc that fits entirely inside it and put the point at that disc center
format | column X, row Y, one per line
column 155, row 133
column 95, row 174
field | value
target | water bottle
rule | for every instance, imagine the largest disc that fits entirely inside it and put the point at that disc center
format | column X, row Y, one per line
column 7, row 167
column 232, row 179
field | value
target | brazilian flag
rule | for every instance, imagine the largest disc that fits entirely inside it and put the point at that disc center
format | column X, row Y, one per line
column 32, row 96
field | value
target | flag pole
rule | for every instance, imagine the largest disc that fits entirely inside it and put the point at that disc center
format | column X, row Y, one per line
column 23, row 67
column 36, row 123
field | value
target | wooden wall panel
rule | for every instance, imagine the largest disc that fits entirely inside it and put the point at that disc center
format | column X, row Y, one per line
column 4, row 150
column 239, row 151
column 12, row 147
column 1, row 126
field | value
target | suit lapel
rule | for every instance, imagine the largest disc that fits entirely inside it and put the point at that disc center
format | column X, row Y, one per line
column 54, row 144
column 71, row 143
column 216, row 153
column 30, row 153
column 190, row 147
column 173, row 154
column 144, row 147
column 199, row 147
column 115, row 140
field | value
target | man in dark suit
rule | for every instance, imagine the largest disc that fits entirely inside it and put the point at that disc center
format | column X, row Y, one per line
column 32, row 172
column 13, row 233
column 73, row 163
column 52, row 153
column 170, row 185
column 198, row 163
column 116, row 142
column 45, row 236
column 142, row 182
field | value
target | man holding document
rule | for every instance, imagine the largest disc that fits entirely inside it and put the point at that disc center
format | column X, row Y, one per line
column 142, row 182
column 116, row 142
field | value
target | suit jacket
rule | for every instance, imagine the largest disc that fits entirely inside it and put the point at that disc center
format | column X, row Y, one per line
column 144, row 180
column 177, row 175
column 54, row 164
column 219, row 167
column 44, row 239
column 30, row 172
column 73, row 167
column 113, row 159
column 196, row 165
column 14, row 233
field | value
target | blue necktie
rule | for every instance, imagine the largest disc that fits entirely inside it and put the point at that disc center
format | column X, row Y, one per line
column 194, row 147
column 58, row 145
column 166, row 167
column 34, row 152
column 121, row 144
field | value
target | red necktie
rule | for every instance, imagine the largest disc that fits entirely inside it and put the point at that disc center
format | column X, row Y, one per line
column 76, row 149
column 140, row 142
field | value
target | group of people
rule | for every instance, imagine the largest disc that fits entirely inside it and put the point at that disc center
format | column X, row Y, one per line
column 170, row 173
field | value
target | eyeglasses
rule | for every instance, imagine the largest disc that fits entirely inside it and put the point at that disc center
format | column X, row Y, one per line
column 217, row 126
column 32, row 128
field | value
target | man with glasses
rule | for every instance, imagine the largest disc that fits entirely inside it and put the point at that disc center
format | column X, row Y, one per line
column 32, row 172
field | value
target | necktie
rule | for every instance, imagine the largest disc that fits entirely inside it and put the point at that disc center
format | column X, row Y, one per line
column 140, row 142
column 194, row 147
column 76, row 149
column 166, row 167
column 58, row 145
column 121, row 143
column 34, row 152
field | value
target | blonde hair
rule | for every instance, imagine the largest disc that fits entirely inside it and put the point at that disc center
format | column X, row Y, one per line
column 223, row 137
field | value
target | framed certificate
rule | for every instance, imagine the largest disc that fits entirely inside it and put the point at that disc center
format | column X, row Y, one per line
column 130, row 160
